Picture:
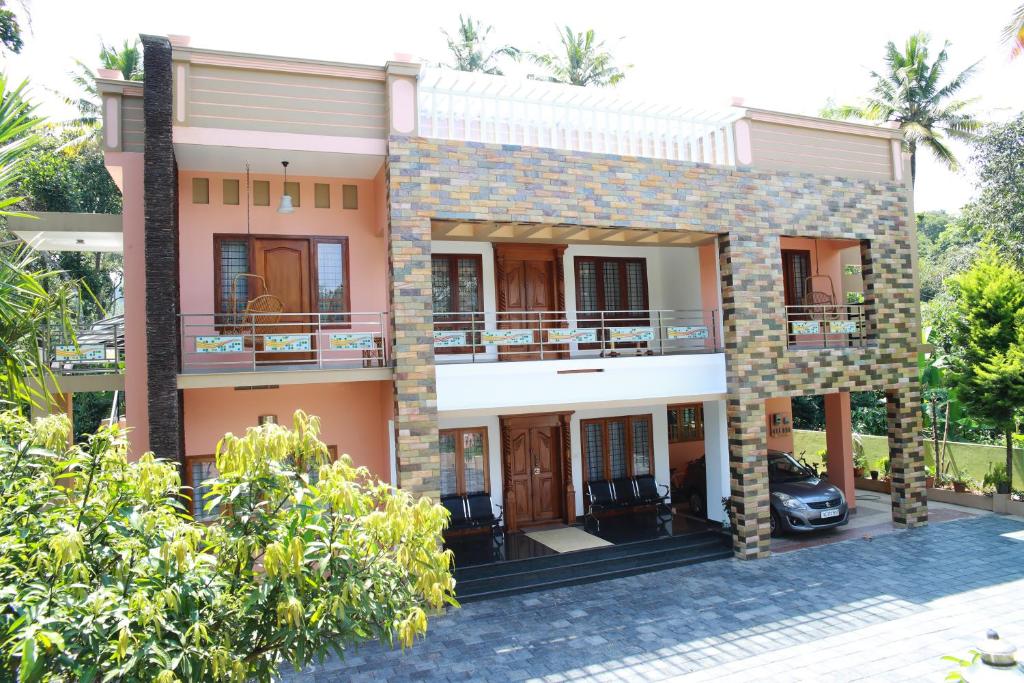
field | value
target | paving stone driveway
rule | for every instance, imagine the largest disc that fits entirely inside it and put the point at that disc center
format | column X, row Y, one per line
column 881, row 610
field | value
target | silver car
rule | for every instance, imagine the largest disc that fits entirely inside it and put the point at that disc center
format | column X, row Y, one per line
column 800, row 499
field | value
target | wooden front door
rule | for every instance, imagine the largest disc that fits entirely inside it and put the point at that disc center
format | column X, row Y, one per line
column 531, row 296
column 284, row 266
column 535, row 470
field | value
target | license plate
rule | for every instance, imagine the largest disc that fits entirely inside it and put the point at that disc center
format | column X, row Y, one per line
column 825, row 514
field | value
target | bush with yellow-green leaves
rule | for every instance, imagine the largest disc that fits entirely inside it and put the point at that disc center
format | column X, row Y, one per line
column 104, row 576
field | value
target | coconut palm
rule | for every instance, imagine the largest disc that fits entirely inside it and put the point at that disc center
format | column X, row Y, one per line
column 908, row 92
column 127, row 59
column 1014, row 32
column 17, row 137
column 469, row 48
column 584, row 61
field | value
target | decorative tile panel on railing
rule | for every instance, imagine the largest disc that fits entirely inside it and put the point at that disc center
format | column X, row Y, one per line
column 286, row 343
column 688, row 332
column 805, row 327
column 220, row 344
column 842, row 326
column 572, row 335
column 67, row 353
column 445, row 339
column 630, row 334
column 350, row 341
column 506, row 337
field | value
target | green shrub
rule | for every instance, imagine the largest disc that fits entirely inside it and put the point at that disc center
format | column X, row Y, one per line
column 995, row 479
column 103, row 576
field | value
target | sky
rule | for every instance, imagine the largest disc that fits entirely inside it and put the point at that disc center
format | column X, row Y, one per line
column 789, row 55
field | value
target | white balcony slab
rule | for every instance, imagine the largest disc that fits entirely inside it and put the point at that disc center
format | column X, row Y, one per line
column 536, row 386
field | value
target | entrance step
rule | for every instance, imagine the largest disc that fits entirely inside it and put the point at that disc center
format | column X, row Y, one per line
column 482, row 582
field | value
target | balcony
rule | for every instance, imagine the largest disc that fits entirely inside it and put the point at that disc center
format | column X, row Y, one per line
column 480, row 337
column 96, row 350
column 818, row 326
column 218, row 349
column 455, row 105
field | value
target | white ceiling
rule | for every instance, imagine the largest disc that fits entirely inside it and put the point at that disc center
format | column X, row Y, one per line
column 71, row 240
column 301, row 163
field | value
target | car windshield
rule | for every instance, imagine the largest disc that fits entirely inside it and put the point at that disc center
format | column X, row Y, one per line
column 782, row 468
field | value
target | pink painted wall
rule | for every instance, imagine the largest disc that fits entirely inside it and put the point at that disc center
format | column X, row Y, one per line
column 353, row 417
column 778, row 405
column 367, row 258
column 825, row 260
column 710, row 285
column 839, row 443
column 126, row 168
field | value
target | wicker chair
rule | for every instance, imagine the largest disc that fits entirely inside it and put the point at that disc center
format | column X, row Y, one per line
column 260, row 310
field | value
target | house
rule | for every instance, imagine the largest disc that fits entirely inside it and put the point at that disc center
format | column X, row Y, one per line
column 518, row 287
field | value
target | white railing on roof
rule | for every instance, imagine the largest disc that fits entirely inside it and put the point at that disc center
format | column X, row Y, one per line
column 456, row 105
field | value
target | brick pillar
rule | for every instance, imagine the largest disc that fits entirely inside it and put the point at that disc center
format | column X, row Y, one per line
column 906, row 456
column 839, row 444
column 412, row 350
column 748, row 466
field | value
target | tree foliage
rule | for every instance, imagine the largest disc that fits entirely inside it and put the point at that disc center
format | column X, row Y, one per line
column 998, row 152
column 470, row 51
column 10, row 29
column 126, row 59
column 909, row 91
column 103, row 576
column 583, row 61
column 985, row 353
column 1013, row 32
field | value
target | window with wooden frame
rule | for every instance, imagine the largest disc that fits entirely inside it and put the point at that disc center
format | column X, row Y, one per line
column 328, row 268
column 617, row 447
column 685, row 423
column 611, row 284
column 464, row 461
column 457, row 285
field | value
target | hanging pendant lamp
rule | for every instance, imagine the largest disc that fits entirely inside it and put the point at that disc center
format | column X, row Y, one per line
column 286, row 199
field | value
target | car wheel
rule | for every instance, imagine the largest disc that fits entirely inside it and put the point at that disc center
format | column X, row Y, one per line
column 697, row 507
column 775, row 525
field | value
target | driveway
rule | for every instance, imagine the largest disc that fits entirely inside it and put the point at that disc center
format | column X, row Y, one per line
column 879, row 608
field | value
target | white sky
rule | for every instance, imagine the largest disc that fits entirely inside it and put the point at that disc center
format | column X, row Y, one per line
column 789, row 55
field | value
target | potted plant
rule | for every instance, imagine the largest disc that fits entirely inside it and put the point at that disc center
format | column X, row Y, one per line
column 961, row 482
column 886, row 468
column 727, row 520
column 860, row 458
column 874, row 474
column 929, row 477
column 996, row 479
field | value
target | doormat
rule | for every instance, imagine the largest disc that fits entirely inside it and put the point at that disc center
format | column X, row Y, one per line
column 567, row 539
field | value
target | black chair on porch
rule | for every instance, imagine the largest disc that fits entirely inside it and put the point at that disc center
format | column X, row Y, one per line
column 624, row 493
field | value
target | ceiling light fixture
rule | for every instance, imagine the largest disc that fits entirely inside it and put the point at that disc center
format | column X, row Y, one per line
column 286, row 199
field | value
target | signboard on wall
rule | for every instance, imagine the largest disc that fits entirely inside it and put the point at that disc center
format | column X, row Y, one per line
column 779, row 424
column 219, row 343
column 350, row 341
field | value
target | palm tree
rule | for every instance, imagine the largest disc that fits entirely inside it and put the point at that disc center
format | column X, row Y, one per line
column 17, row 137
column 583, row 62
column 127, row 59
column 908, row 93
column 469, row 48
column 1014, row 32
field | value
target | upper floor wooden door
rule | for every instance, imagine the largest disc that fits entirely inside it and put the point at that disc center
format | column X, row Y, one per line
column 284, row 265
column 531, row 296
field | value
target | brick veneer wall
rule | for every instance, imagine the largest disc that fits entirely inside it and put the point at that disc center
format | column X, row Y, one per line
column 748, row 209
column 160, row 181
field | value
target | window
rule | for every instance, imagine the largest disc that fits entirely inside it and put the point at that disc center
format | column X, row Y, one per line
column 321, row 195
column 350, row 196
column 616, row 447
column 463, row 461
column 796, row 268
column 331, row 295
column 198, row 470
column 230, row 191
column 611, row 284
column 261, row 193
column 200, row 190
column 456, row 282
column 685, row 423
column 232, row 291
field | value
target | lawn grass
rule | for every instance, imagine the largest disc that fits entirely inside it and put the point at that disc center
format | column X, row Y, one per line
column 973, row 459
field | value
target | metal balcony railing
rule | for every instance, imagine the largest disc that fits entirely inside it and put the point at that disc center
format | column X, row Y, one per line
column 826, row 325
column 95, row 350
column 226, row 342
column 457, row 105
column 487, row 336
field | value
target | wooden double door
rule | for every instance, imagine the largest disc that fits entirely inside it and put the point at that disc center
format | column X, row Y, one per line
column 537, row 475
column 284, row 266
column 531, row 296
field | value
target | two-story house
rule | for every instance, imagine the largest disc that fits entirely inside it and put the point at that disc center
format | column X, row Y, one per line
column 480, row 283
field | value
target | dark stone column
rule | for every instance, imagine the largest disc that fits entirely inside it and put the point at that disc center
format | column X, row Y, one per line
column 160, row 181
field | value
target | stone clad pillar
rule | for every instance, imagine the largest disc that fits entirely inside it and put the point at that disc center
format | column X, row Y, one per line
column 412, row 351
column 906, row 456
column 748, row 464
